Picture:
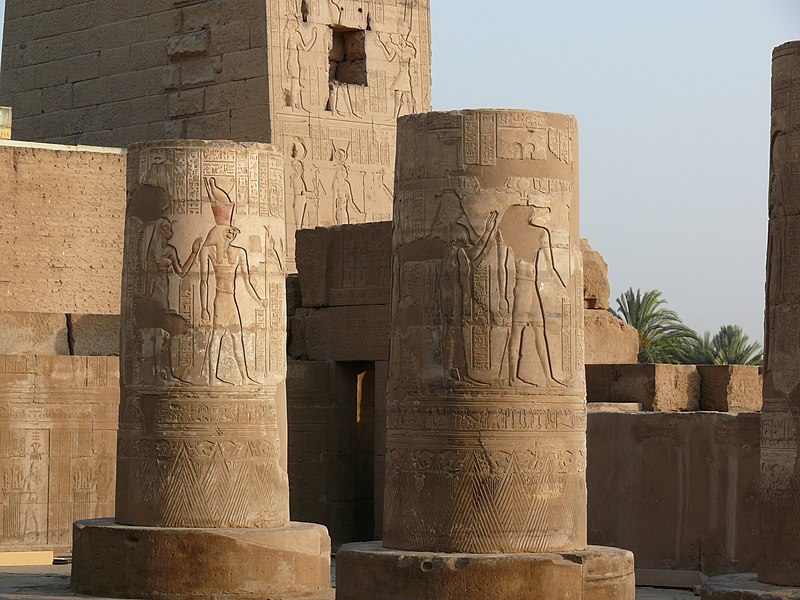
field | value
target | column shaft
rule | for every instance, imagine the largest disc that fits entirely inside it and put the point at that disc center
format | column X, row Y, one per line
column 486, row 445
column 203, row 337
column 780, row 461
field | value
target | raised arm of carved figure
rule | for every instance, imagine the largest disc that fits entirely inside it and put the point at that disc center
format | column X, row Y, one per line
column 310, row 44
column 391, row 53
column 478, row 251
column 183, row 271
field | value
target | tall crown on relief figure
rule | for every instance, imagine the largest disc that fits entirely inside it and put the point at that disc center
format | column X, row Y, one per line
column 221, row 204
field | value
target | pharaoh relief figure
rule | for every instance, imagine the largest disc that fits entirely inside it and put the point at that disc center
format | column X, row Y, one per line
column 297, row 46
column 399, row 48
column 346, row 209
column 162, row 261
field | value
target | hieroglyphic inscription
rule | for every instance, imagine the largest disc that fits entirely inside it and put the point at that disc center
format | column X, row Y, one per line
column 56, row 447
column 481, row 317
column 464, row 418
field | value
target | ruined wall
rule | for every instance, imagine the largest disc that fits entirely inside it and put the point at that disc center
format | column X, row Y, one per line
column 62, row 229
column 112, row 73
column 58, row 422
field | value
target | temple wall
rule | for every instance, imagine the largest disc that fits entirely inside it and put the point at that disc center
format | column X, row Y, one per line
column 62, row 228
column 58, row 428
column 111, row 73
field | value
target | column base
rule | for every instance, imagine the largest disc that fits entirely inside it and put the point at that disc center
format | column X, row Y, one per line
column 371, row 572
column 746, row 586
column 157, row 563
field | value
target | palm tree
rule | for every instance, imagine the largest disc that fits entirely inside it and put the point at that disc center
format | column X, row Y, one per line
column 730, row 346
column 663, row 338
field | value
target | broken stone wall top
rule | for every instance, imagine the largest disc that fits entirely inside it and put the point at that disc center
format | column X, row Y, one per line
column 62, row 228
column 596, row 290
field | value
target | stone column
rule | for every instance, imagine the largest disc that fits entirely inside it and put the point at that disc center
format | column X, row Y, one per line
column 780, row 461
column 486, row 411
column 203, row 368
column 779, row 567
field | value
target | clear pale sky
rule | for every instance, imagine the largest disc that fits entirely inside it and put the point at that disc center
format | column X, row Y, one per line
column 672, row 99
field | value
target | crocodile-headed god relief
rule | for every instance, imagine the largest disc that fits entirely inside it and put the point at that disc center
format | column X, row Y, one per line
column 486, row 395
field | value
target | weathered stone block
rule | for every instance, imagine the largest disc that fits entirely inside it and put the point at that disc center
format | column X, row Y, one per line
column 596, row 290
column 227, row 96
column 679, row 490
column 33, row 333
column 345, row 266
column 660, row 388
column 151, row 562
column 83, row 67
column 95, row 335
column 186, row 102
column 731, row 388
column 609, row 340
column 53, row 192
column 189, row 44
column 196, row 73
column 367, row 571
column 115, row 60
column 347, row 333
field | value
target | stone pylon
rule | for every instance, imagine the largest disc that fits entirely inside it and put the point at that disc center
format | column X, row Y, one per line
column 486, row 412
column 202, row 492
column 779, row 568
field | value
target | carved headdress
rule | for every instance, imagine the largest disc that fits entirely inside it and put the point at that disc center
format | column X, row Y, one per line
column 221, row 204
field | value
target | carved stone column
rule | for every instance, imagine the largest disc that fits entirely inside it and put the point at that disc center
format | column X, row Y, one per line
column 203, row 339
column 203, row 368
column 779, row 568
column 486, row 413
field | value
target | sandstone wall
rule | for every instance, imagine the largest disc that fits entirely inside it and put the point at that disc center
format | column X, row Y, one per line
column 113, row 73
column 679, row 490
column 674, row 388
column 58, row 422
column 62, row 228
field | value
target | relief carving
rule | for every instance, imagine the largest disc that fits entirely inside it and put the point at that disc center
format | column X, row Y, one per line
column 204, row 337
column 341, row 73
column 486, row 408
